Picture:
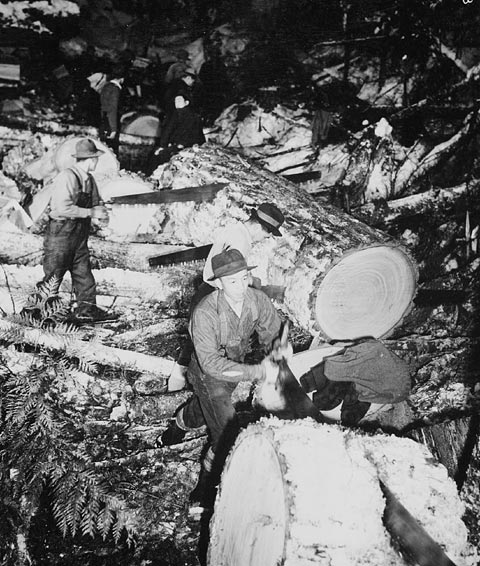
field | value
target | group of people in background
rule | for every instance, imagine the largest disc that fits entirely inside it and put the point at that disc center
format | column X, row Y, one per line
column 186, row 101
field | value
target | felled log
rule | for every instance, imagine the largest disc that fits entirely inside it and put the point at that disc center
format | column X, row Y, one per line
column 432, row 201
column 27, row 249
column 166, row 286
column 334, row 268
column 322, row 483
column 143, row 125
column 91, row 351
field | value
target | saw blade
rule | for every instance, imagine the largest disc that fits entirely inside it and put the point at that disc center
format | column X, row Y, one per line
column 188, row 255
column 201, row 193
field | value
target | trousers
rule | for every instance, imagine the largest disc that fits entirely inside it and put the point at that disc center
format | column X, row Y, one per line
column 66, row 249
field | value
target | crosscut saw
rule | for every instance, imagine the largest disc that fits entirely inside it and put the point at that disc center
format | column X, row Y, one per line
column 202, row 193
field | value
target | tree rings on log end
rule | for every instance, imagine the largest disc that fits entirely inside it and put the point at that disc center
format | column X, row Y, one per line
column 299, row 493
column 367, row 293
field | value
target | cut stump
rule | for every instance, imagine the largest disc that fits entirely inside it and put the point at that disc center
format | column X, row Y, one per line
column 306, row 499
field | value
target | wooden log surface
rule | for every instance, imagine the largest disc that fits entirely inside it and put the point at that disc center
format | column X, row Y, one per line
column 342, row 277
column 24, row 248
column 434, row 201
column 91, row 351
column 165, row 285
column 312, row 487
column 316, row 240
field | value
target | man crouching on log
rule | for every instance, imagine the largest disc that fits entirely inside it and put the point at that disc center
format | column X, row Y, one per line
column 221, row 327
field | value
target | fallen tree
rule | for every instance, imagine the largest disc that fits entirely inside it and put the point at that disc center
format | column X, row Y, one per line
column 91, row 352
column 318, row 243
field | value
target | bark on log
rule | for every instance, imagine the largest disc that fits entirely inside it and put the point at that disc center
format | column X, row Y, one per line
column 333, row 267
column 451, row 442
column 432, row 201
column 23, row 248
column 406, row 177
column 91, row 351
column 306, row 499
column 165, row 285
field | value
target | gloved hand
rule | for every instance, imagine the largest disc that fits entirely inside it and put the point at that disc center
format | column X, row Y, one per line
column 269, row 371
column 281, row 351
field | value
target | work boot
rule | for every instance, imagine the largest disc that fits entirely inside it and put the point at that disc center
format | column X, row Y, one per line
column 93, row 315
column 202, row 497
column 173, row 434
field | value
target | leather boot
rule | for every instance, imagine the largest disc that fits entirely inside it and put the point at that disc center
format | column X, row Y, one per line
column 173, row 434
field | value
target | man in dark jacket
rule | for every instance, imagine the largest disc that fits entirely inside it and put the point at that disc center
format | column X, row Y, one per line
column 110, row 103
column 182, row 86
column 184, row 126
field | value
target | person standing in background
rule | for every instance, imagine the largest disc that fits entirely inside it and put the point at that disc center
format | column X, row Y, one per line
column 110, row 105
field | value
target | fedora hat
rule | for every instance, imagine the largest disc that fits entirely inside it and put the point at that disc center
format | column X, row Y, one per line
column 270, row 217
column 86, row 148
column 228, row 262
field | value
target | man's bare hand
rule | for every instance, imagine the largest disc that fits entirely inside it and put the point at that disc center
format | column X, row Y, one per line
column 255, row 282
column 100, row 213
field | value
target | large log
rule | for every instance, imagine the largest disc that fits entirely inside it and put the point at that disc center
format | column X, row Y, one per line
column 305, row 500
column 90, row 351
column 166, row 285
column 342, row 277
column 433, row 202
column 23, row 248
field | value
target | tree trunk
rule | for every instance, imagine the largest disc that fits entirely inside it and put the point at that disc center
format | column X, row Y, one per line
column 334, row 268
column 434, row 201
column 164, row 285
column 306, row 498
column 89, row 351
column 27, row 249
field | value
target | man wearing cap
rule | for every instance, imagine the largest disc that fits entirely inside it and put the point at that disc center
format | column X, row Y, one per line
column 264, row 221
column 74, row 202
column 221, row 327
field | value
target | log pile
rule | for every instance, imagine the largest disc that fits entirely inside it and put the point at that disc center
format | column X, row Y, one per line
column 319, row 242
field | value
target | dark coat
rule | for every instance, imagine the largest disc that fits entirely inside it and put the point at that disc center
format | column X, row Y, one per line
column 184, row 127
column 175, row 88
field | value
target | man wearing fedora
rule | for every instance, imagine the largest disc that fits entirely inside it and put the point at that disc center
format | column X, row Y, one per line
column 221, row 327
column 74, row 202
column 264, row 221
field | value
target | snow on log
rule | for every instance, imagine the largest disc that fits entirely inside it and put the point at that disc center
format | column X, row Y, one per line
column 27, row 249
column 92, row 351
column 305, row 499
column 165, row 285
column 342, row 277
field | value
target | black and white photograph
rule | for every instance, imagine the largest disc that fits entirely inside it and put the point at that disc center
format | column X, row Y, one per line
column 239, row 283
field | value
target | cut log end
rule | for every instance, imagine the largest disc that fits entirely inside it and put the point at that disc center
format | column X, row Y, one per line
column 366, row 293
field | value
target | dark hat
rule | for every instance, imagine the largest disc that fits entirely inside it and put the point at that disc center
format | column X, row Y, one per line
column 270, row 217
column 86, row 148
column 228, row 262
